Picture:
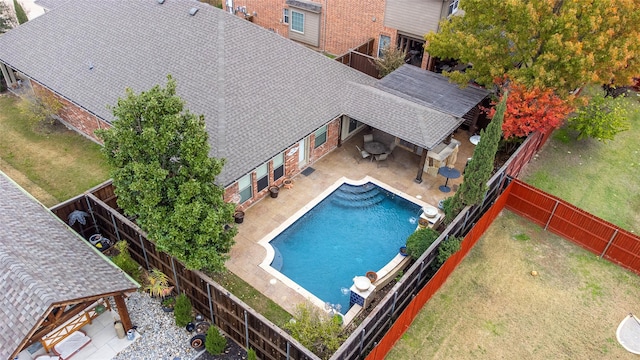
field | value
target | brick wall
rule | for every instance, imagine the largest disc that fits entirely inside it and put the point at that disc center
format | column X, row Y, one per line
column 74, row 116
column 348, row 23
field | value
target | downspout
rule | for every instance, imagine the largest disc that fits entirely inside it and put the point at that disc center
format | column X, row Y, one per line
column 324, row 41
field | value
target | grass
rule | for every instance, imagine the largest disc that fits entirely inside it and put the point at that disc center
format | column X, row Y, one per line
column 252, row 297
column 493, row 307
column 600, row 178
column 50, row 162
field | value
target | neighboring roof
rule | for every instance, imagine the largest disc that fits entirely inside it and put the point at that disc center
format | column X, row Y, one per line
column 43, row 262
column 305, row 5
column 432, row 90
column 259, row 92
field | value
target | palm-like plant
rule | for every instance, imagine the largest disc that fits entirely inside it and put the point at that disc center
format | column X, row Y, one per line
column 158, row 284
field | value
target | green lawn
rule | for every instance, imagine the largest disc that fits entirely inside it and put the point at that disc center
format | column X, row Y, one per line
column 51, row 162
column 601, row 178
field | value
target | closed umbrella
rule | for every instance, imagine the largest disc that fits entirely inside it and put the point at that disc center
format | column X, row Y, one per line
column 451, row 160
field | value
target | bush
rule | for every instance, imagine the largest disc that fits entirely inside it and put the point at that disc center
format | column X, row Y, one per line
column 420, row 240
column 447, row 248
column 251, row 355
column 315, row 331
column 215, row 342
column 182, row 310
column 125, row 262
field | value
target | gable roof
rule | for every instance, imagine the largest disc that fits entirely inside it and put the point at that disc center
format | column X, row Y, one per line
column 432, row 89
column 259, row 92
column 43, row 262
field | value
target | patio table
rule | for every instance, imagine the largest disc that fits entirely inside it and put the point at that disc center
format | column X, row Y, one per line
column 449, row 173
column 375, row 147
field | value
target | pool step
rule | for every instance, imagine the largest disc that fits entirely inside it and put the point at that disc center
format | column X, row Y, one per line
column 277, row 259
column 348, row 196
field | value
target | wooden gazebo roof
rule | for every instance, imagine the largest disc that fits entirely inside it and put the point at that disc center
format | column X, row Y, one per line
column 45, row 266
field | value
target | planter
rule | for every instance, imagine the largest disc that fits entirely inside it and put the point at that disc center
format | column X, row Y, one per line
column 238, row 217
column 273, row 191
column 190, row 327
column 403, row 250
column 168, row 303
column 287, row 183
column 197, row 342
column 372, row 276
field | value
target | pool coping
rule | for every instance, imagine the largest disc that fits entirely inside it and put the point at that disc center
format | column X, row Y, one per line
column 265, row 242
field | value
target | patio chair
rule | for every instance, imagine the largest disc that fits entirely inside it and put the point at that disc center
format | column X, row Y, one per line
column 391, row 147
column 364, row 154
column 368, row 138
column 381, row 159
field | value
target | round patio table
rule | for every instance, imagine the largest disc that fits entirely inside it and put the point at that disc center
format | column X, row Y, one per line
column 375, row 147
column 449, row 173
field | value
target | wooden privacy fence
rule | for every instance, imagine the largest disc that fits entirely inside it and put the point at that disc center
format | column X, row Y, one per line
column 251, row 329
column 594, row 234
column 361, row 59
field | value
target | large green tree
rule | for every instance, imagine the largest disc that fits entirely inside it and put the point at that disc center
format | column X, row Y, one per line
column 7, row 20
column 557, row 44
column 164, row 176
column 480, row 167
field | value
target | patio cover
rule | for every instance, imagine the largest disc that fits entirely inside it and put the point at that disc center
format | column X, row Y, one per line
column 44, row 263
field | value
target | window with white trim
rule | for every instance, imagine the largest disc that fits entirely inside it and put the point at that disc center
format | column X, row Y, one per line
column 244, row 185
column 285, row 16
column 453, row 6
column 278, row 166
column 262, row 176
column 320, row 136
column 297, row 21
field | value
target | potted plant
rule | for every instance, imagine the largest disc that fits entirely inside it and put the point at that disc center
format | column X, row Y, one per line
column 168, row 303
column 157, row 284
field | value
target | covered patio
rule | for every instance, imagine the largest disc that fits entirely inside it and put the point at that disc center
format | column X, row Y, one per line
column 269, row 213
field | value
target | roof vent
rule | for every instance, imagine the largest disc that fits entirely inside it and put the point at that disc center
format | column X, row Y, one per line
column 193, row 11
column 160, row 2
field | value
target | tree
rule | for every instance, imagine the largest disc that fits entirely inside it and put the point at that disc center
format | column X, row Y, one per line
column 557, row 44
column 20, row 14
column 316, row 331
column 7, row 20
column 602, row 118
column 532, row 110
column 420, row 240
column 480, row 167
column 391, row 59
column 164, row 176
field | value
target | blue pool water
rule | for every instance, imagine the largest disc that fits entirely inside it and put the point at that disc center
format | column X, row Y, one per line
column 354, row 230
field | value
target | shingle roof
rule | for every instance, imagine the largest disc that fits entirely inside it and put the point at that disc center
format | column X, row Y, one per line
column 259, row 92
column 43, row 262
column 432, row 90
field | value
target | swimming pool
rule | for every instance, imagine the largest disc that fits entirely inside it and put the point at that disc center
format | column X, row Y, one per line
column 352, row 228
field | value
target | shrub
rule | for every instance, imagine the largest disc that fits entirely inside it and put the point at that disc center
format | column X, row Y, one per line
column 125, row 262
column 215, row 342
column 157, row 284
column 251, row 355
column 21, row 15
column 315, row 331
column 420, row 240
column 182, row 310
column 447, row 248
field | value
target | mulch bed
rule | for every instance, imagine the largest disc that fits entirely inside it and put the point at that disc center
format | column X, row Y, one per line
column 233, row 351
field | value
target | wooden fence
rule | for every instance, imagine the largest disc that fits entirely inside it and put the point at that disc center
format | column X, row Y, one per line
column 594, row 234
column 361, row 59
column 251, row 329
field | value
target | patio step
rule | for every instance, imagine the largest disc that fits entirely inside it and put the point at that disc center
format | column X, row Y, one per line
column 357, row 197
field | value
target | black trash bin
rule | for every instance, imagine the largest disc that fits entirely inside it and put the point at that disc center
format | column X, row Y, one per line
column 273, row 191
column 239, row 217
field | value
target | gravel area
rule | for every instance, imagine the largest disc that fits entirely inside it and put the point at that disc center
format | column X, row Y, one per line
column 159, row 338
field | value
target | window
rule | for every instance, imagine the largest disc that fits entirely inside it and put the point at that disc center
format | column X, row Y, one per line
column 321, row 136
column 262, row 174
column 278, row 166
column 453, row 6
column 244, row 185
column 382, row 43
column 285, row 16
column 297, row 21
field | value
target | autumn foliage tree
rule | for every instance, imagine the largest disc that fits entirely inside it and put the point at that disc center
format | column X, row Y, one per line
column 532, row 110
column 557, row 44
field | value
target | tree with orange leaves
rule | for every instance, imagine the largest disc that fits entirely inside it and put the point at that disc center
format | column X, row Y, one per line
column 530, row 110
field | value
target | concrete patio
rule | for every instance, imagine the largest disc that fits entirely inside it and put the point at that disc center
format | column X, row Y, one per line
column 269, row 213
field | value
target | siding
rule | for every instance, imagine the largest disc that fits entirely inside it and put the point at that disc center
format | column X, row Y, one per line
column 311, row 34
column 413, row 17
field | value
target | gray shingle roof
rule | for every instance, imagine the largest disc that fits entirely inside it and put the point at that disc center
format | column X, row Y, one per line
column 432, row 90
column 43, row 262
column 259, row 92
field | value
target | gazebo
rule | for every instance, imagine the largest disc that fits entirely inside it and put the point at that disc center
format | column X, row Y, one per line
column 53, row 282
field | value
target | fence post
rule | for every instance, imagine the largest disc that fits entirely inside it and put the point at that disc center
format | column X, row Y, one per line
column 393, row 306
column 246, row 330
column 213, row 319
column 551, row 216
column 362, row 340
column 288, row 346
column 175, row 275
column 609, row 243
column 95, row 223
column 144, row 251
column 115, row 226
column 419, row 277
